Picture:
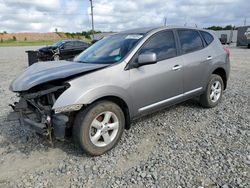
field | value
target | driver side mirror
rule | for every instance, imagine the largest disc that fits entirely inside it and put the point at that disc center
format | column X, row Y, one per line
column 144, row 59
column 147, row 58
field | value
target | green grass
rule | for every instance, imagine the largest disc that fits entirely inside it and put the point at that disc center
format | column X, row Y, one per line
column 30, row 43
column 25, row 43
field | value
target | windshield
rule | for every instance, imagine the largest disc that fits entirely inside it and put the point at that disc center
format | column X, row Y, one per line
column 110, row 49
column 57, row 44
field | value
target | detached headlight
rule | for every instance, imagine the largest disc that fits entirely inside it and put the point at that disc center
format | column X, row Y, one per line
column 70, row 108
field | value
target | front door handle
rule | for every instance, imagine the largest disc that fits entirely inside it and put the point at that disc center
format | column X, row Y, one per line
column 209, row 58
column 176, row 67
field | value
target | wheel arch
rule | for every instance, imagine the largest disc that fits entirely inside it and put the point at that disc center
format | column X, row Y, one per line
column 121, row 103
column 222, row 73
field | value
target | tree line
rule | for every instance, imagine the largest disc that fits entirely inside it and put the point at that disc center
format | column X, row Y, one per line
column 218, row 28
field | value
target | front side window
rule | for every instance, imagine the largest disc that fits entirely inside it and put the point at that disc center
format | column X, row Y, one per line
column 162, row 43
column 190, row 40
column 68, row 45
column 109, row 50
column 58, row 44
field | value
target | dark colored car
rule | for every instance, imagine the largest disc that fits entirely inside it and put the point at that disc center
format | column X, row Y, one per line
column 62, row 50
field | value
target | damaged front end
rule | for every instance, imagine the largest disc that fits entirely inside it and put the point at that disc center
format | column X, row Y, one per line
column 35, row 109
column 39, row 86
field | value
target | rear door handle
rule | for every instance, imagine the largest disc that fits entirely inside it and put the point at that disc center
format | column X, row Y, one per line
column 176, row 67
column 209, row 58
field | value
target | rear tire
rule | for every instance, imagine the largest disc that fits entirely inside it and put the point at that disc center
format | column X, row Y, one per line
column 214, row 90
column 99, row 127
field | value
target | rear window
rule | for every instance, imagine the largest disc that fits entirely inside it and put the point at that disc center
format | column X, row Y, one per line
column 207, row 37
column 190, row 40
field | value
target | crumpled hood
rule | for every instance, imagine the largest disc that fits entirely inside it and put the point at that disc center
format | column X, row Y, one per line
column 42, row 72
column 47, row 49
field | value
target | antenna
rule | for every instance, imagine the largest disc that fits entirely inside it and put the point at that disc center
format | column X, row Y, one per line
column 165, row 21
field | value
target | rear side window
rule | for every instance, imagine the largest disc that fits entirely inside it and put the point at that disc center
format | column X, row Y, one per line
column 77, row 44
column 190, row 40
column 163, row 44
column 207, row 37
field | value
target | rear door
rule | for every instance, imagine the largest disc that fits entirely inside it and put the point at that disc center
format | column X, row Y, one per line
column 156, row 85
column 196, row 59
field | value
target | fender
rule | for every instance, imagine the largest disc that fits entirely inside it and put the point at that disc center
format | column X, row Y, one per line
column 73, row 96
column 95, row 85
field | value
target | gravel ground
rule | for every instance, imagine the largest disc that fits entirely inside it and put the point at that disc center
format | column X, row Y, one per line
column 181, row 146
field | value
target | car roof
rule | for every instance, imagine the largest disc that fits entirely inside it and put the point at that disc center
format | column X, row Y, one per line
column 71, row 40
column 145, row 30
column 142, row 30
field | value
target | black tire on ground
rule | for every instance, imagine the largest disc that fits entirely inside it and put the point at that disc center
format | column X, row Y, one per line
column 205, row 100
column 83, row 122
column 248, row 46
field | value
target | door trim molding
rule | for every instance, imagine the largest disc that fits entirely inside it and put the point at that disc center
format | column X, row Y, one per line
column 169, row 99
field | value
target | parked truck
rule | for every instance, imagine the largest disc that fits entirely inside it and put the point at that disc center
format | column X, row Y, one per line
column 243, row 38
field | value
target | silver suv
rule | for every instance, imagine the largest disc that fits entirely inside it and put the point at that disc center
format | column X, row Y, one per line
column 118, row 79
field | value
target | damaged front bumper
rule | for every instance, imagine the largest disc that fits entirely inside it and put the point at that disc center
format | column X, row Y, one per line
column 32, row 110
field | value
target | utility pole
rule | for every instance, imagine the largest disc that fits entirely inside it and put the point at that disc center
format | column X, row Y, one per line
column 92, row 18
column 165, row 21
column 245, row 21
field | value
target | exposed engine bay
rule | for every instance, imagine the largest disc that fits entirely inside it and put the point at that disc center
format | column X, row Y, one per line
column 35, row 109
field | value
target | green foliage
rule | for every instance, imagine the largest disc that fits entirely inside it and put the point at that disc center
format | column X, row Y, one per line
column 87, row 34
column 218, row 28
column 1, row 40
column 4, row 32
column 10, row 42
column 83, row 34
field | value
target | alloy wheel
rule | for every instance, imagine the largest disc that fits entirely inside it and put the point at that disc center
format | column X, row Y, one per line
column 215, row 91
column 103, row 129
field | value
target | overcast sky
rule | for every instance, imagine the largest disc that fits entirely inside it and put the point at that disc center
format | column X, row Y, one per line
column 116, row 15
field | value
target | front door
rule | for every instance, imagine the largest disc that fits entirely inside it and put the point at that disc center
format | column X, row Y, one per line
column 156, row 85
column 67, row 50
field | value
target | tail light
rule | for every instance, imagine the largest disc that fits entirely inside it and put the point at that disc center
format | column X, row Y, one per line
column 227, row 51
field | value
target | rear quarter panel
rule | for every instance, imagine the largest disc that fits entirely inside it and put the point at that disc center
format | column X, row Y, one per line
column 220, row 59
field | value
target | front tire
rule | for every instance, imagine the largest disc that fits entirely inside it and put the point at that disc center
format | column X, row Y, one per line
column 56, row 58
column 99, row 127
column 212, row 96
